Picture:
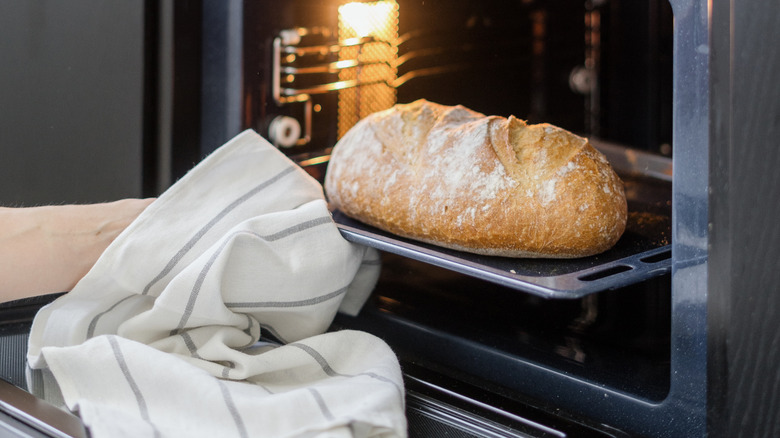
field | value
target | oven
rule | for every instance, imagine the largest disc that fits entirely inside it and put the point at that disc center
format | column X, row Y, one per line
column 667, row 334
column 491, row 346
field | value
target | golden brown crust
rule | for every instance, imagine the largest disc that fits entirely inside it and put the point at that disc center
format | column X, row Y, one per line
column 483, row 184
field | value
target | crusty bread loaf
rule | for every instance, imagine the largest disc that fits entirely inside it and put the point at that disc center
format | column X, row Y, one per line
column 487, row 185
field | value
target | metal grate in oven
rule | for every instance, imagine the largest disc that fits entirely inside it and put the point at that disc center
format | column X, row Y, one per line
column 13, row 352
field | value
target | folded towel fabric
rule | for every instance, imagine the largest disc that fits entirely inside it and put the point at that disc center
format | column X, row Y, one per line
column 160, row 338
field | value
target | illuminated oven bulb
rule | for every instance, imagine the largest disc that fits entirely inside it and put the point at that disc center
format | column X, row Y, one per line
column 366, row 18
column 369, row 65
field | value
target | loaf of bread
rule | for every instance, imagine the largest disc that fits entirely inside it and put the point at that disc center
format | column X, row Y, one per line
column 489, row 185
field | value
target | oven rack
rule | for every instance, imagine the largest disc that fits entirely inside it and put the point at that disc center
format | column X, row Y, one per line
column 548, row 278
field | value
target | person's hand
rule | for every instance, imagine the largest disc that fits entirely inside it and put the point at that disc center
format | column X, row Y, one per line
column 49, row 249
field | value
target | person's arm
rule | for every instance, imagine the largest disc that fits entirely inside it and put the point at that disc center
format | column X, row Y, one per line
column 49, row 249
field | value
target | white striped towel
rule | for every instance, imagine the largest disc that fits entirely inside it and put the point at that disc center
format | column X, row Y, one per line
column 160, row 338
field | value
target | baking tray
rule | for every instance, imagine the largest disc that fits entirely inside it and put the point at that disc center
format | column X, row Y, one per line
column 634, row 258
column 643, row 252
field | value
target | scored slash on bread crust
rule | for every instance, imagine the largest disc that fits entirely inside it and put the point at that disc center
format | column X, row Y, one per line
column 489, row 185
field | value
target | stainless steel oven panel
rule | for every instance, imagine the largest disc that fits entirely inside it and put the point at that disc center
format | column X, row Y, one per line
column 24, row 415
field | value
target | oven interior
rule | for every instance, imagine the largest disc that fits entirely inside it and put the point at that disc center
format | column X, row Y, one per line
column 600, row 68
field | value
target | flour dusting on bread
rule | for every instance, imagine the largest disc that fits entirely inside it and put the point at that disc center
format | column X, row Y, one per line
column 490, row 185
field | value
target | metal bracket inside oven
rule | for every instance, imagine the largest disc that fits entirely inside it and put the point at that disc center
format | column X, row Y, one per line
column 287, row 43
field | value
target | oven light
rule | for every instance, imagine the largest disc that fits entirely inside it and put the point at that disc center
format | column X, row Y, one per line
column 367, row 19
column 368, row 34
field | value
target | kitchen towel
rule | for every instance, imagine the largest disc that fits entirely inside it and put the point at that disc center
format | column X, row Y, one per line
column 161, row 337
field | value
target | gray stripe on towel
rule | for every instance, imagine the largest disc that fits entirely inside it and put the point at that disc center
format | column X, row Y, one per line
column 191, row 243
column 190, row 345
column 321, row 403
column 93, row 323
column 319, row 358
column 139, row 397
column 299, row 303
column 207, row 267
column 326, row 368
column 232, row 409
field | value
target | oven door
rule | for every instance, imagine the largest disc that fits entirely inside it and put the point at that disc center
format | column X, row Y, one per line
column 23, row 414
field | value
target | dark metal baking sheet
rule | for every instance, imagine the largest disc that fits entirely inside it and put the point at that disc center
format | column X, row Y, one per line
column 643, row 252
